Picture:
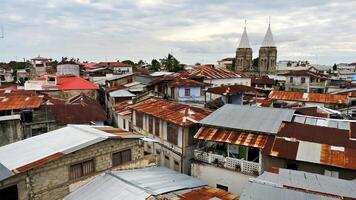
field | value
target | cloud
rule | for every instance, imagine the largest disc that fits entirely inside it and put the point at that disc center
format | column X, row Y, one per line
column 196, row 30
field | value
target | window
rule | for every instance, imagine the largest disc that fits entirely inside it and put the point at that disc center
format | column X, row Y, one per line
column 157, row 127
column 139, row 121
column 150, row 124
column 293, row 166
column 81, row 169
column 187, row 92
column 121, row 157
column 303, row 80
column 172, row 134
column 167, row 161
column 334, row 174
column 291, row 79
column 223, row 187
column 123, row 123
column 176, row 166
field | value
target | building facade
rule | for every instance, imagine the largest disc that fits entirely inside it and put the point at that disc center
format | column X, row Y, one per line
column 243, row 60
column 267, row 60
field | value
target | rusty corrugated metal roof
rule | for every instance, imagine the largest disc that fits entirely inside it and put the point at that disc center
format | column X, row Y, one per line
column 315, row 144
column 206, row 193
column 179, row 114
column 231, row 89
column 232, row 137
column 16, row 102
column 309, row 97
column 214, row 73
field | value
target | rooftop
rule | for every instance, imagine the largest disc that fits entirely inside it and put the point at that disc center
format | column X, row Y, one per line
column 309, row 97
column 35, row 151
column 15, row 102
column 135, row 184
column 74, row 83
column 289, row 184
column 179, row 114
column 248, row 118
column 121, row 93
column 306, row 73
column 214, row 73
column 111, row 64
column 230, row 89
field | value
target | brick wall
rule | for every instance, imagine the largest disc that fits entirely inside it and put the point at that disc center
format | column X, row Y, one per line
column 51, row 181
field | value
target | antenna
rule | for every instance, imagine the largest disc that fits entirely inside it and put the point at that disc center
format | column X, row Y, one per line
column 245, row 23
column 269, row 20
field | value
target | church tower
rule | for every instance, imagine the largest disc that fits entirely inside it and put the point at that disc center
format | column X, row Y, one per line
column 267, row 54
column 243, row 59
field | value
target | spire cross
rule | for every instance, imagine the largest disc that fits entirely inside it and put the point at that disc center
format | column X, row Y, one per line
column 269, row 20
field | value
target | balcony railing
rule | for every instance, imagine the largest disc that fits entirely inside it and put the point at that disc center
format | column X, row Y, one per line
column 243, row 166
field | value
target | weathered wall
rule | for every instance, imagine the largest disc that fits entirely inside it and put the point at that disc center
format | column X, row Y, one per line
column 51, row 180
column 217, row 175
column 10, row 129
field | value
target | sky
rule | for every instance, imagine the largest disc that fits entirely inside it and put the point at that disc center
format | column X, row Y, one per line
column 321, row 31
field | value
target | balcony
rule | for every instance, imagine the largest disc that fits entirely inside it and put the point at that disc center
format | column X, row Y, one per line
column 239, row 165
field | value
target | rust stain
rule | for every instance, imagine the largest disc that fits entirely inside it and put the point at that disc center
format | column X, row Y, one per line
column 309, row 97
column 38, row 163
column 16, row 102
column 207, row 193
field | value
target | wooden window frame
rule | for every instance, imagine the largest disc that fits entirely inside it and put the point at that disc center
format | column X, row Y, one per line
column 81, row 163
column 150, row 124
column 157, row 126
column 170, row 134
column 113, row 164
column 187, row 92
column 139, row 119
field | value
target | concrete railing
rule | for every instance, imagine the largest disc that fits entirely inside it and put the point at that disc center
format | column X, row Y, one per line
column 228, row 162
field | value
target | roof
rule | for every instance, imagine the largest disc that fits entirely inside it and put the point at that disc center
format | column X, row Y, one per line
column 306, row 73
column 122, row 108
column 244, row 42
column 39, row 58
column 121, row 93
column 35, row 151
column 112, row 64
column 161, row 73
column 134, row 184
column 232, row 137
column 262, row 80
column 289, row 184
column 231, row 89
column 182, row 82
column 15, row 102
column 74, row 83
column 214, row 73
column 309, row 97
column 205, row 193
column 248, row 118
column 315, row 144
column 72, row 112
column 268, row 40
column 179, row 114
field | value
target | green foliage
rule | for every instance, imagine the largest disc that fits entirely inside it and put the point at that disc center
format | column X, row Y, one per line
column 197, row 64
column 170, row 63
column 335, row 67
column 255, row 62
column 129, row 62
column 155, row 65
column 230, row 67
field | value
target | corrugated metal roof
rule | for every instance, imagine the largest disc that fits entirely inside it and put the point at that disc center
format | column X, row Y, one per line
column 121, row 93
column 249, row 118
column 309, row 97
column 290, row 184
column 315, row 144
column 179, row 114
column 134, row 184
column 203, row 193
column 231, row 89
column 214, row 73
column 325, row 122
column 232, row 137
column 35, row 151
column 20, row 102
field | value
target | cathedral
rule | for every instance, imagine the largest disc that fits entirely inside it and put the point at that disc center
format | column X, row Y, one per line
column 267, row 54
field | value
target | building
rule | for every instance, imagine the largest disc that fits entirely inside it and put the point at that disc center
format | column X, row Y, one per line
column 116, row 67
column 231, row 141
column 230, row 94
column 314, row 144
column 171, row 127
column 52, row 165
column 280, row 184
column 295, row 99
column 267, row 57
column 306, row 81
column 243, row 59
column 40, row 64
column 68, row 68
column 122, row 115
column 285, row 66
column 226, row 63
column 150, row 183
column 10, row 129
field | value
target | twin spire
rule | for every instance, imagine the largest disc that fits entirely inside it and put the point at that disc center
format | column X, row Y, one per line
column 267, row 41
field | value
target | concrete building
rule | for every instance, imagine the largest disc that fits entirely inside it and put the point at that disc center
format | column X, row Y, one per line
column 171, row 127
column 68, row 68
column 51, row 165
column 40, row 64
column 306, row 81
column 243, row 59
column 267, row 59
column 10, row 129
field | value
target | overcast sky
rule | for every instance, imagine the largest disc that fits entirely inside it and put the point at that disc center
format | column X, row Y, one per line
column 322, row 31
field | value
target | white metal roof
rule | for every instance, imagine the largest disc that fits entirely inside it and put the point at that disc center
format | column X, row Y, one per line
column 268, row 40
column 121, row 93
column 244, row 42
column 249, row 118
column 134, row 184
column 65, row 140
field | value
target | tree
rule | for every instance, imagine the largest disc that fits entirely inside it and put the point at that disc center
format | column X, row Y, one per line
column 335, row 67
column 171, row 64
column 129, row 62
column 155, row 65
column 197, row 64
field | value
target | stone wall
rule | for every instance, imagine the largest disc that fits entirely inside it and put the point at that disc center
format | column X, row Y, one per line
column 51, row 181
column 10, row 129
